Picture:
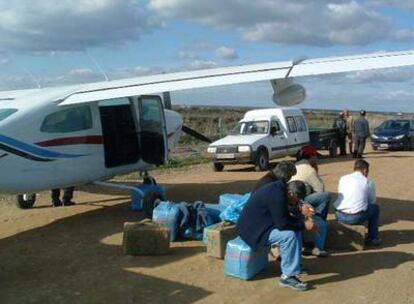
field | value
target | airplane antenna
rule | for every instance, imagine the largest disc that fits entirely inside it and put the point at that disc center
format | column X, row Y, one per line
column 97, row 65
column 25, row 70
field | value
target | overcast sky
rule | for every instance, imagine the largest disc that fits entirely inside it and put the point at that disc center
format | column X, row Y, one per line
column 58, row 43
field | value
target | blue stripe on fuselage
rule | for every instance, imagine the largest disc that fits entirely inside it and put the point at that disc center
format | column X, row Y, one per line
column 34, row 150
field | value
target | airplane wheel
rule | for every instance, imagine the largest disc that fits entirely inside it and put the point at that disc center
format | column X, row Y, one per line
column 262, row 161
column 217, row 167
column 148, row 203
column 26, row 201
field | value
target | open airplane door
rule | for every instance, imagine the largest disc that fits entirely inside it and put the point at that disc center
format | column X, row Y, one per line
column 152, row 129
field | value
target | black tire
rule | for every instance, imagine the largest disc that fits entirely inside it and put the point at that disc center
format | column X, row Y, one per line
column 148, row 203
column 333, row 149
column 262, row 160
column 407, row 146
column 26, row 201
column 217, row 167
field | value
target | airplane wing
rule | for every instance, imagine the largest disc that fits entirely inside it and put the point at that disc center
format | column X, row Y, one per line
column 234, row 75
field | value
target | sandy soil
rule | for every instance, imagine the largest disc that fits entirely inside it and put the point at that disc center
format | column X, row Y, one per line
column 74, row 254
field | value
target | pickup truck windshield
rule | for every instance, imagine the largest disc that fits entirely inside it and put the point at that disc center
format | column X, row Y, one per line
column 251, row 127
column 395, row 124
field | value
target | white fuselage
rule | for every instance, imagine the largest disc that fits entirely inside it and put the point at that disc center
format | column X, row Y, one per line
column 38, row 153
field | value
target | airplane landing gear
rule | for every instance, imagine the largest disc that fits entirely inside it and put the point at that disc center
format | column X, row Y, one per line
column 147, row 179
column 26, row 201
column 151, row 198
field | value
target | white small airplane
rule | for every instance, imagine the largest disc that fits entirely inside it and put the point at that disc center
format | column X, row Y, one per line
column 59, row 137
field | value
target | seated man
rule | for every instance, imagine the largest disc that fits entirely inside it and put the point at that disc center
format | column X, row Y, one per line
column 307, row 172
column 282, row 172
column 265, row 221
column 356, row 201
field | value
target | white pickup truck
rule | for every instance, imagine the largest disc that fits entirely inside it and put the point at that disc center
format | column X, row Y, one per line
column 260, row 136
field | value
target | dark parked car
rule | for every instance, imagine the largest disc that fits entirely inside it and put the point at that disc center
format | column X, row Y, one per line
column 394, row 134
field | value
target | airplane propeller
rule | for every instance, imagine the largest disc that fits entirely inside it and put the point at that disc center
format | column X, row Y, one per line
column 195, row 134
column 166, row 96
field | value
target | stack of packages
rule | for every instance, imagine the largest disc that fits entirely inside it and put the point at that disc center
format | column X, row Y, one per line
column 216, row 236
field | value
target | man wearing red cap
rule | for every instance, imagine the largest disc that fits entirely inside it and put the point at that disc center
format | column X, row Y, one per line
column 307, row 172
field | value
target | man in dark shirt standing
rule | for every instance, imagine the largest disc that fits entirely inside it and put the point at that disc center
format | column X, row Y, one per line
column 361, row 132
column 266, row 221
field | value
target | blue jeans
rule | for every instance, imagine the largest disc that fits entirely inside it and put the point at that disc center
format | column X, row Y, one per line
column 290, row 245
column 371, row 215
column 320, row 237
column 320, row 201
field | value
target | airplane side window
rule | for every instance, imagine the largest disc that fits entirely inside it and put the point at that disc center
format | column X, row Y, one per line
column 4, row 113
column 68, row 120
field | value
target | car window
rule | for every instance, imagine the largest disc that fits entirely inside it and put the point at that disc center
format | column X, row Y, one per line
column 291, row 124
column 251, row 127
column 68, row 120
column 395, row 124
column 300, row 123
column 275, row 123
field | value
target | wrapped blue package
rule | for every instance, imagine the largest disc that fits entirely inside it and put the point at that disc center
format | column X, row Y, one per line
column 242, row 262
column 228, row 199
column 214, row 211
column 232, row 212
column 167, row 214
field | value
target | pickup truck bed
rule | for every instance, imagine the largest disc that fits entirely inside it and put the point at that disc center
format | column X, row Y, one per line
column 324, row 139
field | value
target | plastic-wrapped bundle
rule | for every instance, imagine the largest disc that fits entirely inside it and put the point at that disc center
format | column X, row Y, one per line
column 232, row 212
column 167, row 214
column 228, row 199
column 214, row 211
column 242, row 262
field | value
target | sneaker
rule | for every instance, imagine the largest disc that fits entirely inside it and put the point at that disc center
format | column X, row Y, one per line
column 320, row 253
column 57, row 203
column 374, row 242
column 69, row 203
column 293, row 282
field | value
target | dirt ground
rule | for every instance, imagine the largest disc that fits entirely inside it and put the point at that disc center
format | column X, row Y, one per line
column 74, row 254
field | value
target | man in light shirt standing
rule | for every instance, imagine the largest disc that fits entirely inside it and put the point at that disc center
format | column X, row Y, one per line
column 356, row 201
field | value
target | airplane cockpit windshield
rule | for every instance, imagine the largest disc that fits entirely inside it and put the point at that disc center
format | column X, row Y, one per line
column 251, row 127
column 4, row 113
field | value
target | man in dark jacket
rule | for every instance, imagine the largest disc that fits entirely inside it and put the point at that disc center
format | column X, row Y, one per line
column 266, row 221
column 361, row 132
column 282, row 172
column 340, row 126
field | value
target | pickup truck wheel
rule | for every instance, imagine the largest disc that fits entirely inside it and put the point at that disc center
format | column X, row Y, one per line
column 262, row 161
column 217, row 167
column 26, row 201
column 333, row 149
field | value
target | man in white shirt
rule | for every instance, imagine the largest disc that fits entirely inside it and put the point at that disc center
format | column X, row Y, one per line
column 356, row 201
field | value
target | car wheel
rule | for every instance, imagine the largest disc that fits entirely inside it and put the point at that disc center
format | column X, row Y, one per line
column 26, row 201
column 217, row 167
column 333, row 149
column 148, row 203
column 407, row 144
column 262, row 160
